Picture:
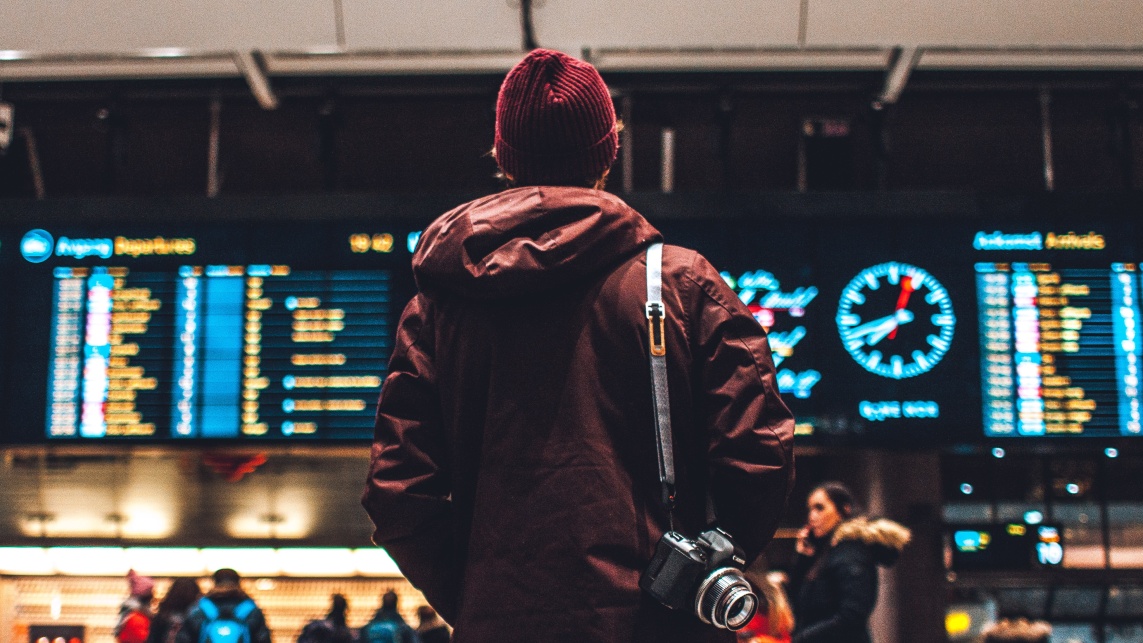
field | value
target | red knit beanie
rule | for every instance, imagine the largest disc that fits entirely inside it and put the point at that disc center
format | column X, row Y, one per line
column 555, row 122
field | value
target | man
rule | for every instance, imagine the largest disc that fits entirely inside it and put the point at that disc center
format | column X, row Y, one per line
column 514, row 474
column 225, row 615
column 387, row 624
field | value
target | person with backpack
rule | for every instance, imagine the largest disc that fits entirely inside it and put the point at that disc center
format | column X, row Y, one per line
column 387, row 625
column 173, row 610
column 331, row 629
column 135, row 613
column 225, row 615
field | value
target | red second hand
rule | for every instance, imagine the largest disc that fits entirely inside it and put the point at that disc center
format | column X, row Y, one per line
column 902, row 300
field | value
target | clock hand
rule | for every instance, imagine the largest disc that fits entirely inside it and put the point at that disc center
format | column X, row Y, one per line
column 889, row 327
column 871, row 327
column 903, row 299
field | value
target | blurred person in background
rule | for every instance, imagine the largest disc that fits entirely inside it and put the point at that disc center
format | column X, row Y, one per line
column 387, row 624
column 331, row 629
column 834, row 582
column 1018, row 630
column 135, row 613
column 430, row 627
column 173, row 609
column 225, row 615
column 774, row 621
column 514, row 474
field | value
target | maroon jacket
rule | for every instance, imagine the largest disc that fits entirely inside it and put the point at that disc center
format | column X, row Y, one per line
column 514, row 474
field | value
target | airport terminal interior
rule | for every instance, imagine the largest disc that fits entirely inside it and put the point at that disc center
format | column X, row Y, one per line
column 233, row 192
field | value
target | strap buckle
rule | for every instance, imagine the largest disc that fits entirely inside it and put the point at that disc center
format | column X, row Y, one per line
column 656, row 314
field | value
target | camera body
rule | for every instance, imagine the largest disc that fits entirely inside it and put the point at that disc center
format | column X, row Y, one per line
column 704, row 574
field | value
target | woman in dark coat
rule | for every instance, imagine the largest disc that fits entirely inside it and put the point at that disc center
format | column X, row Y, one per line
column 834, row 582
column 173, row 609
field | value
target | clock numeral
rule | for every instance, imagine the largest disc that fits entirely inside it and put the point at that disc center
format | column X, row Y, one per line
column 872, row 281
column 938, row 343
column 873, row 360
column 922, row 360
column 855, row 297
column 894, row 273
column 943, row 320
column 855, row 344
column 897, row 364
column 937, row 296
column 848, row 320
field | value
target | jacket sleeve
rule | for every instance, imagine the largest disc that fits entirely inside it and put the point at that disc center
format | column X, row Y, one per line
column 750, row 429
column 256, row 623
column 407, row 493
column 855, row 576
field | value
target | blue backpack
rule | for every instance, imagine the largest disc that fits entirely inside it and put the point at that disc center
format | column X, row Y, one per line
column 232, row 629
column 381, row 632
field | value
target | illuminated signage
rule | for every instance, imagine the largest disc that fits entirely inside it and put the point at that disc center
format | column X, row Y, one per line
column 1037, row 241
column 153, row 246
column 38, row 245
column 1000, row 241
column 880, row 411
column 1012, row 546
column 362, row 243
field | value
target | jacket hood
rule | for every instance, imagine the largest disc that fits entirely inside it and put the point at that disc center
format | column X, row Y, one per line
column 884, row 537
column 388, row 614
column 234, row 594
column 528, row 240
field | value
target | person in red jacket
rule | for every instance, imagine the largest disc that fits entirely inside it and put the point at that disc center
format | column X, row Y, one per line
column 135, row 613
column 514, row 471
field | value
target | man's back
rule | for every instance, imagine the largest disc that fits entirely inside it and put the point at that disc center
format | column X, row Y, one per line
column 226, row 607
column 526, row 362
column 387, row 626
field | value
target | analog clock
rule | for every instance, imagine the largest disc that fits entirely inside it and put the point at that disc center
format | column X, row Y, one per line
column 896, row 320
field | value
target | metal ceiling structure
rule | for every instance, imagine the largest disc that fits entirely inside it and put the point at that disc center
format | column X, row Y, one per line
column 133, row 39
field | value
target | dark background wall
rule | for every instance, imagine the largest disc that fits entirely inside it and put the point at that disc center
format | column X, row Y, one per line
column 733, row 132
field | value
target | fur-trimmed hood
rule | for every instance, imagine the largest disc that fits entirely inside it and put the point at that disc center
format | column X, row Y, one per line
column 884, row 537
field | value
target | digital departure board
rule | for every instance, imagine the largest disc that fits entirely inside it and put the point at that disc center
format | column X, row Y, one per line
column 1060, row 350
column 1059, row 335
column 888, row 327
column 169, row 335
column 217, row 351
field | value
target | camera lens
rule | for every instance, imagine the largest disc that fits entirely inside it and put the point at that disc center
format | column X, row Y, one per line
column 726, row 600
column 740, row 607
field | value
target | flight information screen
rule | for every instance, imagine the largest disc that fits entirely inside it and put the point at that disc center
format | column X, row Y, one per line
column 217, row 351
column 886, row 328
column 1059, row 349
column 1058, row 320
column 149, row 338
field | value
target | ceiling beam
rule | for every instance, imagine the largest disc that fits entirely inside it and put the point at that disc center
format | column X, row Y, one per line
column 904, row 60
column 250, row 64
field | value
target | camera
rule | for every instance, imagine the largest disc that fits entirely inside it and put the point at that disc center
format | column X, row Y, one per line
column 704, row 574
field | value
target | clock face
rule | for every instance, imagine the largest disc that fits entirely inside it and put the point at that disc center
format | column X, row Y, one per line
column 896, row 320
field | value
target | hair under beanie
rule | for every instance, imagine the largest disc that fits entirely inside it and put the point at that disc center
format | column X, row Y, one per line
column 555, row 122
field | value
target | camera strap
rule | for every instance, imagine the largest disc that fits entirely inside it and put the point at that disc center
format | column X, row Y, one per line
column 657, row 338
